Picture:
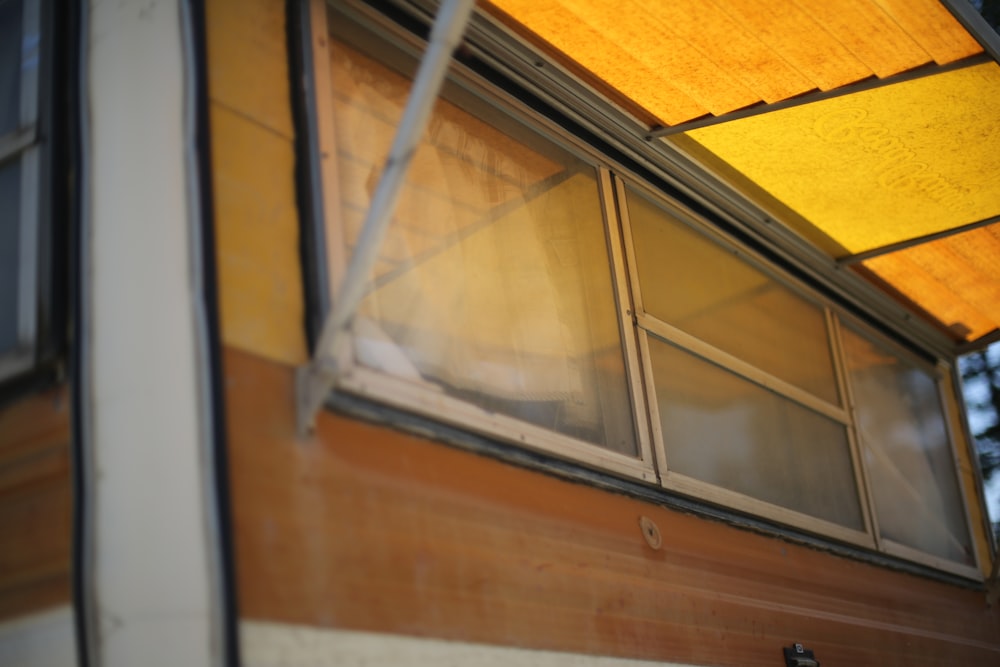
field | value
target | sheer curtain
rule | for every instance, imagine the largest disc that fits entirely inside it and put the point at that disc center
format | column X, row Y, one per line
column 493, row 284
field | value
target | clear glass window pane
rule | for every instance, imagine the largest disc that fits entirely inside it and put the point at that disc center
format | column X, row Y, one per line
column 906, row 450
column 493, row 284
column 10, row 65
column 722, row 429
column 696, row 285
column 10, row 239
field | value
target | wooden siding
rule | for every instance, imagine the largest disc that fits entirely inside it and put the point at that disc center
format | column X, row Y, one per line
column 366, row 528
column 253, row 178
column 35, row 504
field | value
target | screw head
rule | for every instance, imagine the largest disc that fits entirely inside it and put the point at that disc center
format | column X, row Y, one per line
column 651, row 532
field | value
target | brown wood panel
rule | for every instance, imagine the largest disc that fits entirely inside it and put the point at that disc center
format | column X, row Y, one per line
column 35, row 504
column 366, row 528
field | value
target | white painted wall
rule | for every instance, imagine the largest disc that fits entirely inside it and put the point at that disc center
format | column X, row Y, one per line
column 280, row 645
column 40, row 640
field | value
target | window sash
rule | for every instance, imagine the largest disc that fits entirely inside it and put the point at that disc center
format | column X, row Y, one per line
column 425, row 400
column 843, row 413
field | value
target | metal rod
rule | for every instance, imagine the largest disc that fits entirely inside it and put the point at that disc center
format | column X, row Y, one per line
column 919, row 240
column 446, row 34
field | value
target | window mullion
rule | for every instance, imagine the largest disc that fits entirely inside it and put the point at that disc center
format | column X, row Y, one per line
column 861, row 477
column 636, row 335
column 944, row 389
column 746, row 370
column 29, row 250
column 626, row 299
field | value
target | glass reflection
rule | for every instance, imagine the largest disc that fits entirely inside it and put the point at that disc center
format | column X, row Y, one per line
column 724, row 430
column 493, row 285
column 906, row 448
column 696, row 285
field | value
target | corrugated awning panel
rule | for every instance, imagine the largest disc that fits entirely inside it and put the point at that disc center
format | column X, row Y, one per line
column 879, row 166
column 852, row 173
column 887, row 166
column 955, row 279
column 678, row 61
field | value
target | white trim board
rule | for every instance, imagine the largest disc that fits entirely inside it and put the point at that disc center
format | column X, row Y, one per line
column 47, row 639
column 149, row 557
column 266, row 644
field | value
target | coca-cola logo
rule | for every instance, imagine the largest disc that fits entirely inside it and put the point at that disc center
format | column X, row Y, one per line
column 898, row 167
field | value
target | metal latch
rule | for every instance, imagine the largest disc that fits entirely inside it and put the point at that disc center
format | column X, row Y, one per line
column 798, row 656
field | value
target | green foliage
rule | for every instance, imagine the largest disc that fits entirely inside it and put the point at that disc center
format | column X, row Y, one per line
column 981, row 385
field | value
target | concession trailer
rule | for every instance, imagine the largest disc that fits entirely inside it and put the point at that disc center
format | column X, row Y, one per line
column 511, row 332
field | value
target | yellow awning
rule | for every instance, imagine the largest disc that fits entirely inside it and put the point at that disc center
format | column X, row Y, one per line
column 870, row 125
column 886, row 166
column 878, row 166
column 680, row 60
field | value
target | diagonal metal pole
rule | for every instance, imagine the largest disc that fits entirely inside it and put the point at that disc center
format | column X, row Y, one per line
column 317, row 378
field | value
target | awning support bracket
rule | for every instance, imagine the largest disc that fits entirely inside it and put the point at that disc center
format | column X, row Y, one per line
column 317, row 377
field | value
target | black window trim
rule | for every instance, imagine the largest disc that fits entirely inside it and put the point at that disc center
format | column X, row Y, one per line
column 42, row 148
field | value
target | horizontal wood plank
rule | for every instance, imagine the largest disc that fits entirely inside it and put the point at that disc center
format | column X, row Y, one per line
column 35, row 503
column 362, row 527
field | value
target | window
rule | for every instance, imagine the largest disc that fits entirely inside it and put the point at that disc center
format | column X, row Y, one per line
column 751, row 409
column 904, row 436
column 22, row 231
column 493, row 296
column 531, row 290
column 741, row 366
